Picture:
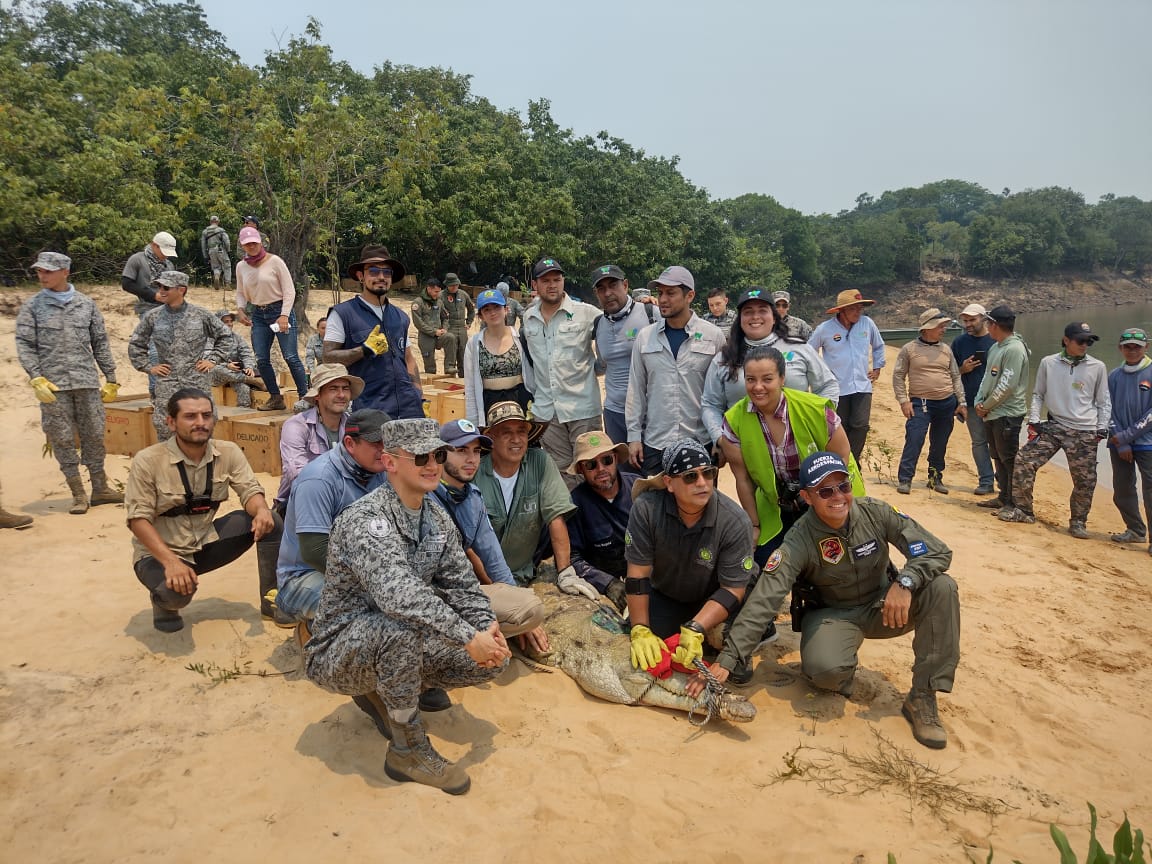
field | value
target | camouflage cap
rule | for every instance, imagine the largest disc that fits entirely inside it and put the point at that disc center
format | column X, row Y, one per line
column 52, row 261
column 171, row 279
column 415, row 436
column 225, row 313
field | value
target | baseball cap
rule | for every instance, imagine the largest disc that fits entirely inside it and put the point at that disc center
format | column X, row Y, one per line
column 608, row 271
column 1134, row 336
column 52, row 261
column 166, row 242
column 457, row 433
column 546, row 265
column 1080, row 331
column 675, row 275
column 249, row 234
column 367, row 424
column 251, row 219
column 974, row 309
column 488, row 297
column 171, row 279
column 1001, row 315
column 416, row 435
column 819, row 465
column 753, row 293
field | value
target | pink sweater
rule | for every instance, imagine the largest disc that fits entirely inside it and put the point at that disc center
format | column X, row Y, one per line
column 270, row 282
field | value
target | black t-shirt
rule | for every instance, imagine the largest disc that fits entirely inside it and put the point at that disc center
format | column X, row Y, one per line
column 963, row 347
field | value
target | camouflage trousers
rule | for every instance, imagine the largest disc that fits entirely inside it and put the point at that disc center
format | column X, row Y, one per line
column 75, row 413
column 376, row 652
column 222, row 376
column 165, row 387
column 1080, row 450
column 221, row 265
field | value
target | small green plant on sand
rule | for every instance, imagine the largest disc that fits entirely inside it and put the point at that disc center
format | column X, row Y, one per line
column 879, row 455
column 218, row 674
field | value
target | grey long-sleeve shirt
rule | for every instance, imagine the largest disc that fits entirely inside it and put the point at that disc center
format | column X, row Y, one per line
column 1076, row 395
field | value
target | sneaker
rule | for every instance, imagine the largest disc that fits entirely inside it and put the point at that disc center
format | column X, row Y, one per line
column 984, row 490
column 938, row 486
column 994, row 504
column 1129, row 536
column 919, row 709
column 904, row 487
column 434, row 699
column 1015, row 514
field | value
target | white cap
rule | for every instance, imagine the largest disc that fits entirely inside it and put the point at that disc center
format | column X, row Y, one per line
column 974, row 309
column 167, row 244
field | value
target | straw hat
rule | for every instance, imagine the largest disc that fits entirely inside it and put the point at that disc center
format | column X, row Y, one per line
column 326, row 373
column 849, row 297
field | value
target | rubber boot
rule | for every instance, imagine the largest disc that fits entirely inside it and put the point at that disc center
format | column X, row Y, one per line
column 412, row 759
column 274, row 403
column 101, row 493
column 11, row 520
column 79, row 496
column 266, row 555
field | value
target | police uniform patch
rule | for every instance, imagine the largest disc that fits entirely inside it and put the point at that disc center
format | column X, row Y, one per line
column 831, row 550
column 773, row 560
column 915, row 550
column 379, row 528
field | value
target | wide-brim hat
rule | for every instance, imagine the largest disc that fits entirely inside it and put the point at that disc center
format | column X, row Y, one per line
column 503, row 412
column 371, row 254
column 591, row 445
column 326, row 373
column 648, row 484
column 849, row 297
column 930, row 318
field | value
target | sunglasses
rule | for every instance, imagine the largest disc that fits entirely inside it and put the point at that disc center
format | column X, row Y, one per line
column 826, row 492
column 1082, row 341
column 1128, row 334
column 690, row 477
column 421, row 459
column 379, row 271
column 606, row 459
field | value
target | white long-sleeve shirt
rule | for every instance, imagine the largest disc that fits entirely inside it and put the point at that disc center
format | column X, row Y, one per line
column 1076, row 396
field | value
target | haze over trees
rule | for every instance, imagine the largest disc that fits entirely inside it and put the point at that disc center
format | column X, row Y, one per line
column 119, row 118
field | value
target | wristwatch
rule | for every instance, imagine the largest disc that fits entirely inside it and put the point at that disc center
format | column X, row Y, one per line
column 905, row 581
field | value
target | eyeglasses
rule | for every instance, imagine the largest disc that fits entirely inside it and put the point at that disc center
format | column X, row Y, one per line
column 379, row 271
column 421, row 459
column 606, row 459
column 1082, row 341
column 826, row 492
column 690, row 477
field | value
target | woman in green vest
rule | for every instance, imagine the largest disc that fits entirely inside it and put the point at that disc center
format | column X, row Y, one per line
column 766, row 436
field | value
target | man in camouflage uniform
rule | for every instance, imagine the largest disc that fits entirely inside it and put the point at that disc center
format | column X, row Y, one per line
column 189, row 342
column 238, row 367
column 60, row 339
column 401, row 608
column 214, row 248
column 515, row 309
column 140, row 272
column 461, row 310
column 430, row 318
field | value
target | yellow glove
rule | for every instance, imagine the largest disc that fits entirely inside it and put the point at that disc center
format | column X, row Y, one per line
column 108, row 392
column 44, row 389
column 691, row 647
column 377, row 342
column 647, row 647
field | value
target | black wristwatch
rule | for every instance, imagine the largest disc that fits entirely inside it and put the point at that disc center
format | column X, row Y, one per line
column 905, row 581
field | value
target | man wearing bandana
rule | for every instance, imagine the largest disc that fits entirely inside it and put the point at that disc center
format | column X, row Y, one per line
column 689, row 553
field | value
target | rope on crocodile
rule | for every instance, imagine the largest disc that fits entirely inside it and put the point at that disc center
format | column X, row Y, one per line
column 714, row 696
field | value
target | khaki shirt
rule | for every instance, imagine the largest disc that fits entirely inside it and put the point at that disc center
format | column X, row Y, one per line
column 154, row 487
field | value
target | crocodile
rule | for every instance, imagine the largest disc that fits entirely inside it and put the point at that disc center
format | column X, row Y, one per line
column 590, row 643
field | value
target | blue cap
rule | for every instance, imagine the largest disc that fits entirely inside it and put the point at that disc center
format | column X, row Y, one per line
column 819, row 465
column 457, row 433
column 489, row 296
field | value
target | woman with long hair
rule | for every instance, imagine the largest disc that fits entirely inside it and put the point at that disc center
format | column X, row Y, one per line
column 766, row 435
column 758, row 324
column 264, row 283
column 494, row 367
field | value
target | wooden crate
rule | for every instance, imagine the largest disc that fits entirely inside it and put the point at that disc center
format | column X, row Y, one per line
column 450, row 384
column 128, row 427
column 429, row 377
column 259, row 437
column 430, row 394
column 225, row 414
column 448, row 405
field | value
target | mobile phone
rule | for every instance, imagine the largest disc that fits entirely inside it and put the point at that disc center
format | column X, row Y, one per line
column 980, row 355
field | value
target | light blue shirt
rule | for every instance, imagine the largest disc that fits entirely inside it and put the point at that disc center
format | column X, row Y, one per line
column 846, row 352
column 471, row 518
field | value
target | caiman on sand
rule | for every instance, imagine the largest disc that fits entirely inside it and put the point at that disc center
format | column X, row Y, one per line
column 590, row 643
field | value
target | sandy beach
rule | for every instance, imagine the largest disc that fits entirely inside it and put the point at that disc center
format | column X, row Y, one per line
column 113, row 749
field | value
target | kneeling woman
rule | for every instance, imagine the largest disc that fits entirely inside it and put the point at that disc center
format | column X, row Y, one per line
column 766, row 436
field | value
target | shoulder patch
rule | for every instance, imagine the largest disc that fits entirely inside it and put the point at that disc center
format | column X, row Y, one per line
column 772, row 563
column 831, row 550
column 627, row 538
column 379, row 528
column 915, row 550
column 900, row 512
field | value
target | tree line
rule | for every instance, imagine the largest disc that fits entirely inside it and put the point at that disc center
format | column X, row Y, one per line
column 119, row 118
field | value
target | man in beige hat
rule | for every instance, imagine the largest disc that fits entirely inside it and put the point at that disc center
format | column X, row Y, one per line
column 314, row 432
column 853, row 349
column 603, row 502
column 926, row 381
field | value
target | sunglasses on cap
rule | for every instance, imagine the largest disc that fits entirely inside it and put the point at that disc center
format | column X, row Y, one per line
column 690, row 477
column 605, row 459
column 421, row 459
column 1129, row 335
column 826, row 492
column 379, row 271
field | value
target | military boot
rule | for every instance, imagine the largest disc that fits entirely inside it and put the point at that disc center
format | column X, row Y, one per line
column 101, row 493
column 79, row 496
column 274, row 403
column 412, row 759
column 11, row 520
column 919, row 709
column 266, row 555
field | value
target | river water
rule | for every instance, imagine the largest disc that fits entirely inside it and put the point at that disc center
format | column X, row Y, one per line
column 1042, row 332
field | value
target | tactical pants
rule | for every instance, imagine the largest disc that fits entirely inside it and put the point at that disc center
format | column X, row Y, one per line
column 830, row 639
column 221, row 266
column 222, row 376
column 75, row 412
column 1003, row 445
column 1079, row 449
column 1124, row 489
column 455, row 359
column 376, row 652
column 430, row 344
column 855, row 412
column 934, row 418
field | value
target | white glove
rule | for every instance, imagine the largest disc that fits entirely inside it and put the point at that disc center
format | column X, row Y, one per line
column 568, row 582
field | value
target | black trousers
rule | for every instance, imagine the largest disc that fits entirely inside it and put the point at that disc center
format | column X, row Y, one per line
column 855, row 412
column 1003, row 445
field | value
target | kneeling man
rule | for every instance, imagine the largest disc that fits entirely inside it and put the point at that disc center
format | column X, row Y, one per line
column 837, row 554
column 401, row 609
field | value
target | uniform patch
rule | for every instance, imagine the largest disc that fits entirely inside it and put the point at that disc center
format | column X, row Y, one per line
column 748, row 563
column 994, row 371
column 899, row 512
column 773, row 560
column 627, row 538
column 631, row 334
column 915, row 550
column 1145, row 385
column 697, row 336
column 836, row 338
column 379, row 528
column 705, row 553
column 530, row 507
column 865, row 549
column 831, row 550
column 789, row 356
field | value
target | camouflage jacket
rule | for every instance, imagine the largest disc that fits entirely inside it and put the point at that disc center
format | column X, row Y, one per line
column 64, row 342
column 182, row 339
column 428, row 315
column 236, row 350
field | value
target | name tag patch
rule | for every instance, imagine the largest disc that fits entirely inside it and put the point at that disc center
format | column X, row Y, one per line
column 865, row 549
column 915, row 550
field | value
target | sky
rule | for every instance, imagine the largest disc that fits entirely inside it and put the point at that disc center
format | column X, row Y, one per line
column 813, row 102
